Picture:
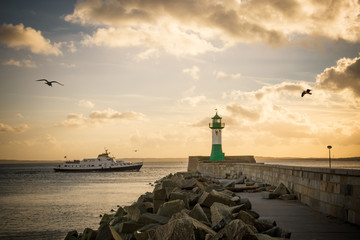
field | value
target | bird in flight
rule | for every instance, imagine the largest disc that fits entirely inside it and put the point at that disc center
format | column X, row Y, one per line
column 308, row 91
column 49, row 82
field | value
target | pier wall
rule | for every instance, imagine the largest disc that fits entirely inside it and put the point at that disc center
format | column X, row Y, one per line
column 334, row 192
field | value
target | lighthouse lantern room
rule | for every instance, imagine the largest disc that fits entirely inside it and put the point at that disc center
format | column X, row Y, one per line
column 216, row 151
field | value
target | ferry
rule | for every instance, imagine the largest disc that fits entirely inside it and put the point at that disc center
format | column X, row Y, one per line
column 103, row 163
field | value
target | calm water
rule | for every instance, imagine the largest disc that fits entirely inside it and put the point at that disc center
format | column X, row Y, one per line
column 37, row 203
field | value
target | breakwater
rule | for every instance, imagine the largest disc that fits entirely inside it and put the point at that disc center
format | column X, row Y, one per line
column 185, row 205
column 334, row 192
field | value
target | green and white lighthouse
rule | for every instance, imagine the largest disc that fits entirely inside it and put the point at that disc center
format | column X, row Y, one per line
column 216, row 151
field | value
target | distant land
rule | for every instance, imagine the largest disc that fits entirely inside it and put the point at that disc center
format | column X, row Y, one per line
column 14, row 161
column 269, row 159
column 257, row 158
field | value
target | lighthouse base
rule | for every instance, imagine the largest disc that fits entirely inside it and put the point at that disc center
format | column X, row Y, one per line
column 216, row 153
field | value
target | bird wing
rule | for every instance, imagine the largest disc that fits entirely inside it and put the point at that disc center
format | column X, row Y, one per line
column 57, row 83
column 42, row 80
column 303, row 93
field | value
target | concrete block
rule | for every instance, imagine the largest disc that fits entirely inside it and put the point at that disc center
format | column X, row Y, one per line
column 335, row 178
column 346, row 190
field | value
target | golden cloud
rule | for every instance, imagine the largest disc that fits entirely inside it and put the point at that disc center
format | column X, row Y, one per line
column 19, row 37
column 23, row 63
column 13, row 129
column 195, row 27
column 95, row 117
column 345, row 75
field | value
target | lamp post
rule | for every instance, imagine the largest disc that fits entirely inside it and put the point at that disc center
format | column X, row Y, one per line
column 329, row 147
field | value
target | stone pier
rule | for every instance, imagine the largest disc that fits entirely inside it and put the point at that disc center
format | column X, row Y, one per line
column 334, row 192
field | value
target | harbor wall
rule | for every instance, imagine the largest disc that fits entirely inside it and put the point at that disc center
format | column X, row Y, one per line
column 334, row 192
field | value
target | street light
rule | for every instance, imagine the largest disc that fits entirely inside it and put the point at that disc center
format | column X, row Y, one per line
column 329, row 147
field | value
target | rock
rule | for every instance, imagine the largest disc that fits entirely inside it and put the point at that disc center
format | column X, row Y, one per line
column 114, row 234
column 278, row 232
column 135, row 210
column 227, row 183
column 288, row 197
column 72, row 235
column 198, row 213
column 235, row 199
column 263, row 225
column 237, row 208
column 169, row 208
column 104, row 233
column 245, row 217
column 240, row 180
column 253, row 213
column 269, row 195
column 117, row 220
column 281, row 189
column 182, row 228
column 250, row 183
column 180, row 195
column 167, row 183
column 246, row 202
column 120, row 212
column 146, row 232
column 159, row 198
column 189, row 184
column 242, row 189
column 159, row 194
column 149, row 218
column 106, row 218
column 129, row 227
column 207, row 199
column 220, row 214
column 89, row 234
column 235, row 230
column 147, row 197
column 260, row 185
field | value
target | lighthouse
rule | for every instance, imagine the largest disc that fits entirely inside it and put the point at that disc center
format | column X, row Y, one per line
column 216, row 149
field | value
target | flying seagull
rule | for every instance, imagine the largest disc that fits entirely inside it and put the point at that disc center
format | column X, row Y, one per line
column 308, row 91
column 49, row 82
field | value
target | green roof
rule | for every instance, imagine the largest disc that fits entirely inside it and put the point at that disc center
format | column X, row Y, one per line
column 216, row 116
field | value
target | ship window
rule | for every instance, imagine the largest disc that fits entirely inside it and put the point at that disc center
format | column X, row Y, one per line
column 92, row 165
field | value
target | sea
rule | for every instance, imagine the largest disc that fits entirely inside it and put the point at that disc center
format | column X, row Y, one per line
column 37, row 203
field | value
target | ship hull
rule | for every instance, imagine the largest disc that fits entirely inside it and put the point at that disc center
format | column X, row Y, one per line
column 133, row 168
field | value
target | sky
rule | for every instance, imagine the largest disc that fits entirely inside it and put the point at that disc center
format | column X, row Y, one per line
column 143, row 78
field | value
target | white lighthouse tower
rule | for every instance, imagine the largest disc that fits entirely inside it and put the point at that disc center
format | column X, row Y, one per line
column 216, row 150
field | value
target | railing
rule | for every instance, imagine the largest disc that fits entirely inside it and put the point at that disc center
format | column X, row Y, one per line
column 216, row 125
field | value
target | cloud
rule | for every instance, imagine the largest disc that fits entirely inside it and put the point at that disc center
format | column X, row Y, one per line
column 222, row 75
column 97, row 117
column 192, row 72
column 19, row 115
column 20, row 37
column 112, row 114
column 23, row 63
column 196, row 27
column 266, row 92
column 193, row 101
column 244, row 112
column 345, row 75
column 170, row 38
column 86, row 103
column 149, row 53
column 4, row 128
